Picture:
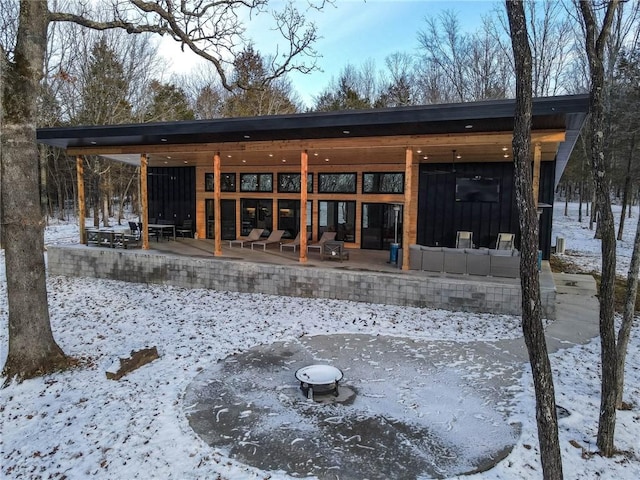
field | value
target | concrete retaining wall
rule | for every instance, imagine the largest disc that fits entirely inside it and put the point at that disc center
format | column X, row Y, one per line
column 297, row 281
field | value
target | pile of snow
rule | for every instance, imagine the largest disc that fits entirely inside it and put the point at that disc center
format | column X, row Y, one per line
column 78, row 424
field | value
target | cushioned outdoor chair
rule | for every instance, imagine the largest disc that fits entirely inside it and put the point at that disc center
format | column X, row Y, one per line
column 274, row 237
column 254, row 236
column 326, row 237
column 186, row 230
column 464, row 239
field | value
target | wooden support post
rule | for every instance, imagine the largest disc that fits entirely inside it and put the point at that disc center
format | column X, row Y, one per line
column 304, row 170
column 144, row 202
column 81, row 200
column 537, row 155
column 409, row 210
column 217, row 221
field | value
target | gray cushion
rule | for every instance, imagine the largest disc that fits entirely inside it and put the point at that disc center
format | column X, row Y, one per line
column 500, row 253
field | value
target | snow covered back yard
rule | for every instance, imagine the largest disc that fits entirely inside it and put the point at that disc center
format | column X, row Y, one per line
column 78, row 424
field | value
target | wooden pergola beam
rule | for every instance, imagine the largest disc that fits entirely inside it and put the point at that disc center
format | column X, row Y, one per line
column 81, row 198
column 304, row 170
column 144, row 202
column 217, row 250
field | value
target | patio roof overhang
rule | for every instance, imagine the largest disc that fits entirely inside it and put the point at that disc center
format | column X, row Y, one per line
column 478, row 131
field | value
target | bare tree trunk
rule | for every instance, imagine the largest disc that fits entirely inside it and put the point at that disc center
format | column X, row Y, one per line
column 627, row 193
column 32, row 348
column 595, row 43
column 529, row 277
column 629, row 311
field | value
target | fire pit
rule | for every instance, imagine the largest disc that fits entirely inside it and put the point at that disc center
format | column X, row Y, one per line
column 319, row 380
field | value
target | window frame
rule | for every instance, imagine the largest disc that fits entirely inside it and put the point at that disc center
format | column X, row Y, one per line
column 258, row 182
column 355, row 183
column 209, row 182
column 381, row 192
column 309, row 182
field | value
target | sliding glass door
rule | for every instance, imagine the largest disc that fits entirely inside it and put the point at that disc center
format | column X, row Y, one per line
column 379, row 225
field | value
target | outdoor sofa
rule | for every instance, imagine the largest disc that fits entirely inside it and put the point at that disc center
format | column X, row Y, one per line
column 465, row 261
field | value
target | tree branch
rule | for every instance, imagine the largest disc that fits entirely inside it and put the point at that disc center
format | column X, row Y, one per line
column 212, row 29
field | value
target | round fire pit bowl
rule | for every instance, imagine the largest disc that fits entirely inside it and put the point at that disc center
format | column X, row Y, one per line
column 319, row 380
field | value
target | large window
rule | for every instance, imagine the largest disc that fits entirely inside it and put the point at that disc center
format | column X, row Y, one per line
column 337, row 183
column 256, row 182
column 290, row 183
column 339, row 217
column 383, row 182
column 227, row 182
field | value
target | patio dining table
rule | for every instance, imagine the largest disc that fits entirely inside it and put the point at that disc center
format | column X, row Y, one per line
column 161, row 227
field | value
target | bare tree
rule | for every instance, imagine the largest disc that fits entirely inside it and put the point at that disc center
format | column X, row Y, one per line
column 596, row 38
column 352, row 90
column 532, row 327
column 211, row 29
column 551, row 39
column 469, row 66
column 400, row 87
column 628, row 314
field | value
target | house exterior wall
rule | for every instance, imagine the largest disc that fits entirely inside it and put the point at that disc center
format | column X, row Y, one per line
column 314, row 197
column 440, row 216
column 240, row 276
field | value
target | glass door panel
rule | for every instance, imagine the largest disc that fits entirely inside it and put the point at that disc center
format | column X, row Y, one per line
column 228, row 218
column 379, row 226
column 256, row 213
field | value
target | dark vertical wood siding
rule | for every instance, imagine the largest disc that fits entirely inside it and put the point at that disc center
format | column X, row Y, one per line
column 172, row 193
column 440, row 216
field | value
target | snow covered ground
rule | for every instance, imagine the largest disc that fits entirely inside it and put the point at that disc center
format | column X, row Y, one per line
column 78, row 424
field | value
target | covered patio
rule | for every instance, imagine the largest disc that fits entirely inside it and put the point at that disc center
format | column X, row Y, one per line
column 404, row 176
column 383, row 180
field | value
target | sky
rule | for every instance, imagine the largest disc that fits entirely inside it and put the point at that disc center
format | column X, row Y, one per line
column 78, row 424
column 353, row 32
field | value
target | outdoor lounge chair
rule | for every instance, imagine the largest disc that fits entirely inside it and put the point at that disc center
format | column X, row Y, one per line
column 326, row 237
column 292, row 245
column 274, row 237
column 254, row 236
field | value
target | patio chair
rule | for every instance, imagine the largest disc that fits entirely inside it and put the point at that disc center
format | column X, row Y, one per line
column 135, row 231
column 275, row 237
column 153, row 233
column 505, row 241
column 186, row 230
column 293, row 245
column 254, row 236
column 326, row 237
column 464, row 239
column 334, row 250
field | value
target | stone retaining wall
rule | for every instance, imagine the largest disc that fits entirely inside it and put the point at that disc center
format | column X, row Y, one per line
column 297, row 281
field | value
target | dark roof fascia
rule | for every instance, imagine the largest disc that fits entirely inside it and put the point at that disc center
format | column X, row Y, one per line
column 373, row 122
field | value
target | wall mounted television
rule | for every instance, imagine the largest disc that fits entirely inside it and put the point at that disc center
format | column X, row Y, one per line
column 477, row 189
